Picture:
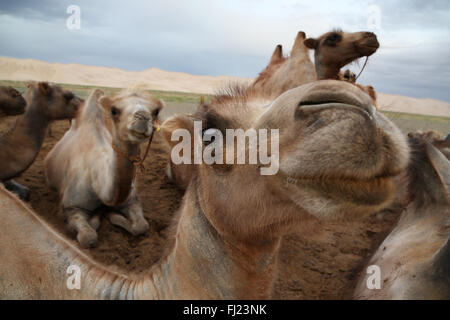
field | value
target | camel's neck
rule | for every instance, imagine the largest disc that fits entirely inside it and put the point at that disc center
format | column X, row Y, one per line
column 205, row 265
column 21, row 146
column 123, row 170
column 325, row 72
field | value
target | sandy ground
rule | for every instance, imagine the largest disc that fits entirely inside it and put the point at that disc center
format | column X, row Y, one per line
column 155, row 79
column 321, row 268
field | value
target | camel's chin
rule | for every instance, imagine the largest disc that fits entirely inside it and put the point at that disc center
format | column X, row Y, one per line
column 344, row 197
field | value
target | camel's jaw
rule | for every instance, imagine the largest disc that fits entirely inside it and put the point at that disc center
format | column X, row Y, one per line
column 374, row 192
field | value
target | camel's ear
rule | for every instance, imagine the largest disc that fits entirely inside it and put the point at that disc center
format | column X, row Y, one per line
column 108, row 105
column 106, row 102
column 178, row 122
column 311, row 43
column 298, row 43
column 44, row 88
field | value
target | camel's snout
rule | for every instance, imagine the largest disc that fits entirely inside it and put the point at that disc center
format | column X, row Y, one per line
column 368, row 44
column 141, row 125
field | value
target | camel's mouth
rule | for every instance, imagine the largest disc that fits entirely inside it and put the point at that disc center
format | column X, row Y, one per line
column 140, row 135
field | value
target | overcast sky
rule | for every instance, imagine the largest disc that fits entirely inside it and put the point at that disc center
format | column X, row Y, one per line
column 233, row 37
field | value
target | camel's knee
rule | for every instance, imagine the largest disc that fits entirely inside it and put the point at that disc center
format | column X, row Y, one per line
column 139, row 227
column 87, row 238
column 78, row 222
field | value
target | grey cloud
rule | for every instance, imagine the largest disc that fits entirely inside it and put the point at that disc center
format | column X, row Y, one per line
column 215, row 38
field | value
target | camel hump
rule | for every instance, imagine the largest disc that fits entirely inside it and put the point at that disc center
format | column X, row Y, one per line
column 92, row 110
column 277, row 54
column 299, row 46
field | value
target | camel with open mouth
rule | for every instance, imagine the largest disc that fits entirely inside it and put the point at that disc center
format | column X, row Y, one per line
column 337, row 160
column 20, row 146
column 94, row 164
column 414, row 259
column 11, row 102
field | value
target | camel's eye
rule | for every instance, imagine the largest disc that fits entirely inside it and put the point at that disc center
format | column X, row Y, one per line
column 155, row 113
column 114, row 111
column 68, row 96
column 333, row 39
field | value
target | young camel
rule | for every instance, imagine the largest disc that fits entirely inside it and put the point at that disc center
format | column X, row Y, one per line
column 414, row 259
column 227, row 235
column 284, row 73
column 21, row 145
column 349, row 76
column 94, row 164
column 335, row 49
column 11, row 102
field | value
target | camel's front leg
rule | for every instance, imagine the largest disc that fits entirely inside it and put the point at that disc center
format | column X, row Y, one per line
column 131, row 217
column 78, row 222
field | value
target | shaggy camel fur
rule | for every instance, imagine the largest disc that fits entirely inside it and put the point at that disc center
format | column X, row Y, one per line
column 335, row 49
column 21, row 145
column 284, row 73
column 94, row 164
column 11, row 102
column 227, row 235
column 414, row 259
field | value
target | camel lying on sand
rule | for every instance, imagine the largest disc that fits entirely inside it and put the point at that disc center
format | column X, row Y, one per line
column 11, row 102
column 349, row 76
column 335, row 49
column 227, row 235
column 414, row 259
column 94, row 164
column 21, row 145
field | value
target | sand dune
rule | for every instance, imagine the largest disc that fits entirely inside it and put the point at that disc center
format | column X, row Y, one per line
column 156, row 79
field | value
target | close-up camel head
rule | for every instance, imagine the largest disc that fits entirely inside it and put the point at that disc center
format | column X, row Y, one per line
column 132, row 115
column 11, row 102
column 337, row 156
column 335, row 49
column 55, row 103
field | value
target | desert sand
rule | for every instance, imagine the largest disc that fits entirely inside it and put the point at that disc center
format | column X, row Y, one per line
column 156, row 79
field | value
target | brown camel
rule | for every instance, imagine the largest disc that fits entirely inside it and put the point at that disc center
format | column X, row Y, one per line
column 335, row 49
column 94, row 164
column 414, row 259
column 228, row 230
column 284, row 73
column 20, row 146
column 11, row 102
